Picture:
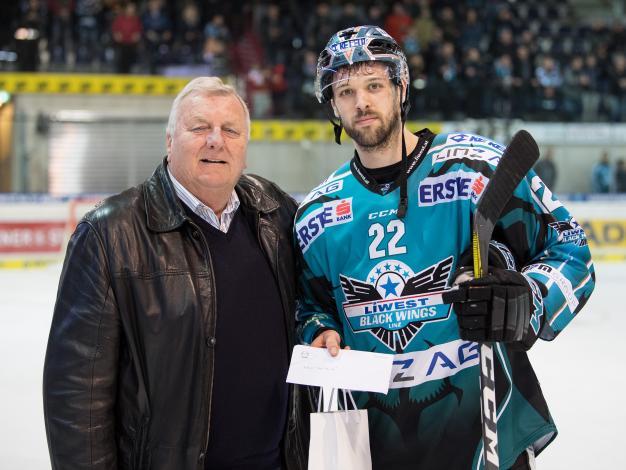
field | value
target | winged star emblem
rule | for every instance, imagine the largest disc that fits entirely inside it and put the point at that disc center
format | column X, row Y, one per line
column 394, row 303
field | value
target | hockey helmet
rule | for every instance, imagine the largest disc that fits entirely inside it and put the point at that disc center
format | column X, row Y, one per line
column 358, row 44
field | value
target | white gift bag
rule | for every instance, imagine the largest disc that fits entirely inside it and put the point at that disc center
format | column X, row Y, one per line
column 339, row 439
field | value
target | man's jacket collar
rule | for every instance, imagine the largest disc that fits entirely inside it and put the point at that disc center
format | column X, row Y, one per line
column 164, row 211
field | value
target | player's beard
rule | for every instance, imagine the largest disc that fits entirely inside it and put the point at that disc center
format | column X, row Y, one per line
column 377, row 138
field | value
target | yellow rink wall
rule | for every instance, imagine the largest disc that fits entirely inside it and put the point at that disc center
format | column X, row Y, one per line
column 149, row 85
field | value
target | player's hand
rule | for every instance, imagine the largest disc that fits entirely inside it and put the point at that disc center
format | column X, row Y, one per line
column 330, row 340
column 497, row 307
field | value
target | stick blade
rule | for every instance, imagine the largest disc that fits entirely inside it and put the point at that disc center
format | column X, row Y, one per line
column 518, row 158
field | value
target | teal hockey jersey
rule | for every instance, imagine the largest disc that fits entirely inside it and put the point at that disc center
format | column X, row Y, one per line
column 377, row 280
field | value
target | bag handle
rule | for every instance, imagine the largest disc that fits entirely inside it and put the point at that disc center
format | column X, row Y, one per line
column 345, row 400
column 320, row 396
column 346, row 394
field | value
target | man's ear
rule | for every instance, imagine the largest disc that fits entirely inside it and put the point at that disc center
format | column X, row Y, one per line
column 168, row 144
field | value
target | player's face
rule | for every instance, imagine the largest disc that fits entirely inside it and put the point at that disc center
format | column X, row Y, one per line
column 367, row 102
column 207, row 151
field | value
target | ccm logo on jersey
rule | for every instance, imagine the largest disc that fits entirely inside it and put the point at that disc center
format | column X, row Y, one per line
column 329, row 214
column 450, row 187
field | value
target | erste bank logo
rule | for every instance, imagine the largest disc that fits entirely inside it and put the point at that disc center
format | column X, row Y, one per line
column 315, row 222
column 456, row 186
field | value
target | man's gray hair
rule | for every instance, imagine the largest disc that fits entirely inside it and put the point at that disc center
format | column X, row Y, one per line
column 204, row 86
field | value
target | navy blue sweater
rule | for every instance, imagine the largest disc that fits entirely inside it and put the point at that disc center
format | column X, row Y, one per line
column 249, row 405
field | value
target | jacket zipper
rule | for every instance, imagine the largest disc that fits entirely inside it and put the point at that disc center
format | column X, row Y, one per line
column 209, row 264
column 292, row 415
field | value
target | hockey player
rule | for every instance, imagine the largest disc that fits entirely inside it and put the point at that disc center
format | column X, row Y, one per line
column 390, row 230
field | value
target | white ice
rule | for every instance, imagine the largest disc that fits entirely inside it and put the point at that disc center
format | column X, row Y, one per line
column 582, row 374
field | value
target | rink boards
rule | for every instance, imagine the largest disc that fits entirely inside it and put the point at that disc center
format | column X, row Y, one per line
column 35, row 228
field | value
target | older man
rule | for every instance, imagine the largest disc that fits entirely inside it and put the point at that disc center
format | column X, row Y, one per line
column 173, row 323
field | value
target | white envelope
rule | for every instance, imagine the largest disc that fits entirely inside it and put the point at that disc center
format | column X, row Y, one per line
column 350, row 370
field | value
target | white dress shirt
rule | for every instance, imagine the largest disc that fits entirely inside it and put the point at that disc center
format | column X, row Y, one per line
column 205, row 212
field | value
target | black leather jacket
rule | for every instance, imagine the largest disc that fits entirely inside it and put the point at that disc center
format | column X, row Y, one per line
column 129, row 367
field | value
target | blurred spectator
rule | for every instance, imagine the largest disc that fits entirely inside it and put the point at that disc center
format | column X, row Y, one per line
column 276, row 35
column 61, row 42
column 503, row 86
column 157, row 32
column 474, row 75
column 350, row 16
column 472, row 32
column 524, row 82
column 305, row 102
column 216, row 29
column 126, row 32
column 546, row 169
column 617, row 40
column 189, row 38
column 601, row 175
column 88, row 30
column 504, row 20
column 375, row 15
column 215, row 56
column 258, row 94
column 591, row 87
column 319, row 27
column 27, row 36
column 549, row 80
column 616, row 78
column 278, row 89
column 446, row 88
column 620, row 176
column 418, row 92
column 548, row 74
column 574, row 81
column 398, row 22
column 449, row 25
column 423, row 27
column 504, row 44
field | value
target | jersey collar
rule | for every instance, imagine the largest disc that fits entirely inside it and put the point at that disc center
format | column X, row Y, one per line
column 414, row 159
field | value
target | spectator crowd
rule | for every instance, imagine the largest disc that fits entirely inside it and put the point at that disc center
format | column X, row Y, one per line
column 530, row 59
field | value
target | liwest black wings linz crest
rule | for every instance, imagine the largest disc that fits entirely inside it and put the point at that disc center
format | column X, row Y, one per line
column 569, row 231
column 394, row 303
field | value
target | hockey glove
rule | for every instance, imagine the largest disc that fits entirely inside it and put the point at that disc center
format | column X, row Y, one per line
column 496, row 307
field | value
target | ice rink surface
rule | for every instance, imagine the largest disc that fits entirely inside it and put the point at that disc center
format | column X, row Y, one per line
column 581, row 373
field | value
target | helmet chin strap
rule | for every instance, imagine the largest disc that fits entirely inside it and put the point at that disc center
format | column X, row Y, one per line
column 403, row 206
column 337, row 128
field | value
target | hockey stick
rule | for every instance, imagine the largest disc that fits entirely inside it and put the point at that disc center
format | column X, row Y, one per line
column 518, row 158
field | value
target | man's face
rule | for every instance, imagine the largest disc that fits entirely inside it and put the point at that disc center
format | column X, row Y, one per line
column 368, row 104
column 207, row 151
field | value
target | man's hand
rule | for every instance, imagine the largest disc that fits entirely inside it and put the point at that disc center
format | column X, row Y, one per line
column 330, row 340
column 497, row 307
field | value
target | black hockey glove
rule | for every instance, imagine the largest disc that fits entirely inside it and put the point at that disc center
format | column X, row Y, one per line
column 497, row 307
